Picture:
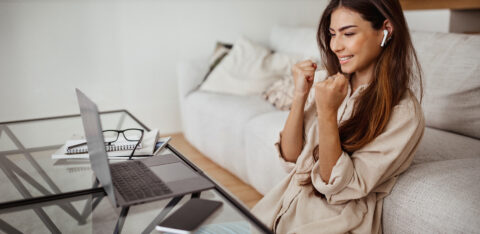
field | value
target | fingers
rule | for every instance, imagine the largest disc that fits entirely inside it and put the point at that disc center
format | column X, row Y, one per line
column 336, row 81
column 309, row 75
column 338, row 78
column 341, row 79
column 306, row 69
column 302, row 70
column 307, row 65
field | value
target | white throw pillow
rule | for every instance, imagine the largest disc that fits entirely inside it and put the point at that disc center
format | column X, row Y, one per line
column 248, row 69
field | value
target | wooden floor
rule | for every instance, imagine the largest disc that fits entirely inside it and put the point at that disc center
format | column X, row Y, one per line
column 244, row 192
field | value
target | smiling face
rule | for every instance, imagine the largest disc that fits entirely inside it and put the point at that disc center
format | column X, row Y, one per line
column 353, row 40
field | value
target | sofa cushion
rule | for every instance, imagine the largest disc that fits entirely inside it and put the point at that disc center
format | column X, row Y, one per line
column 215, row 125
column 436, row 197
column 451, row 66
column 261, row 133
column 439, row 145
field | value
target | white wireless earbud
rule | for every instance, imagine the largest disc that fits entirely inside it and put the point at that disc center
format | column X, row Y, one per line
column 385, row 33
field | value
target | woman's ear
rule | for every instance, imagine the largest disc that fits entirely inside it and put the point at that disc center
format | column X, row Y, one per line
column 389, row 27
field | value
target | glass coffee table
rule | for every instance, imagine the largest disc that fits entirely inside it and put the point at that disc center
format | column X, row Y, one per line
column 43, row 195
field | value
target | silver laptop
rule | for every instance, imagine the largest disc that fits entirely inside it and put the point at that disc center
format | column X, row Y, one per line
column 132, row 182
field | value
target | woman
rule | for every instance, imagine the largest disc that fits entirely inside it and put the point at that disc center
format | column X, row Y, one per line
column 346, row 150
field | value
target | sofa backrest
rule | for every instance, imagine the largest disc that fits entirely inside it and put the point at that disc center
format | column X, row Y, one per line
column 451, row 68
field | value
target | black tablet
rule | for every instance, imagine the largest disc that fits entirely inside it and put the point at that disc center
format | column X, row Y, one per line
column 188, row 217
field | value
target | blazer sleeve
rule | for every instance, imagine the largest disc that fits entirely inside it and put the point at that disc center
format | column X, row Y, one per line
column 355, row 176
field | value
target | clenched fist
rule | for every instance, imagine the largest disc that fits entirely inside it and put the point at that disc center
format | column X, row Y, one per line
column 329, row 94
column 303, row 76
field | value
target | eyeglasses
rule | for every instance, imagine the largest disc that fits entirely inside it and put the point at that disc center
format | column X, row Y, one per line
column 110, row 136
column 130, row 134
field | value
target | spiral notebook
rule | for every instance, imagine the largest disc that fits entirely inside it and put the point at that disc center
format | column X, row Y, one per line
column 119, row 149
column 115, row 146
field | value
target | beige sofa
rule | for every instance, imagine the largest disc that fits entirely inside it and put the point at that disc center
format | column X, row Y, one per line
column 438, row 194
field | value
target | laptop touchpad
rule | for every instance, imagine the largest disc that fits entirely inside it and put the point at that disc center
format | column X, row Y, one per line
column 173, row 172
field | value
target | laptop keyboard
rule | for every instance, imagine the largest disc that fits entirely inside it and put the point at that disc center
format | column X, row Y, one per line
column 134, row 181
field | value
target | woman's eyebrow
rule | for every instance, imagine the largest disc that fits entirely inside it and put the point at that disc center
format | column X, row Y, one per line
column 344, row 27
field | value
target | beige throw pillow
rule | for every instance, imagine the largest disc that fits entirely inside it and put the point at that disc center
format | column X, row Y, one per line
column 248, row 69
column 280, row 93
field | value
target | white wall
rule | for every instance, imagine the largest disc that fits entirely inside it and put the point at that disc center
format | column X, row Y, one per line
column 47, row 48
column 123, row 54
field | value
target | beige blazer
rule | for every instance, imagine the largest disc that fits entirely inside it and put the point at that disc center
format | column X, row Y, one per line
column 352, row 200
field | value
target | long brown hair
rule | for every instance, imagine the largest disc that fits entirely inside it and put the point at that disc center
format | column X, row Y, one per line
column 396, row 69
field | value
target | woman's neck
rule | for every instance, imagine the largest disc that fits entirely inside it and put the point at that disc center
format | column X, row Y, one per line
column 361, row 77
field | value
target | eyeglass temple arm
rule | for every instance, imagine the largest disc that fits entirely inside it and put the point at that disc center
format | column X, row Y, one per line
column 138, row 143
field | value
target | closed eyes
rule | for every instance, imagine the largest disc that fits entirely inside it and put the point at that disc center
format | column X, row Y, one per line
column 346, row 34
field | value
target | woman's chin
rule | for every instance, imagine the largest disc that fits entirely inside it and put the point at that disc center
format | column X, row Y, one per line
column 346, row 70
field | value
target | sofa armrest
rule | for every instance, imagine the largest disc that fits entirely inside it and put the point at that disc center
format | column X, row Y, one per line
column 190, row 75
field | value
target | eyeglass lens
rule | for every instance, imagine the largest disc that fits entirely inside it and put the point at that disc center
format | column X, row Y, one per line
column 132, row 134
column 129, row 135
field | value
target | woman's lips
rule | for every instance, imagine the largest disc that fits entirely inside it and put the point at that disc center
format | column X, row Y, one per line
column 345, row 59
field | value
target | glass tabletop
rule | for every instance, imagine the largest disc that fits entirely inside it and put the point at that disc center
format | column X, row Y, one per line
column 27, row 169
column 33, row 186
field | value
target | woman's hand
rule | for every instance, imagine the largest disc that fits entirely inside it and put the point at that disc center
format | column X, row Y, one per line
column 329, row 94
column 303, row 76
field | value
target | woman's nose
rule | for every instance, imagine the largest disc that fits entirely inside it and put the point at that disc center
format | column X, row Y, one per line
column 336, row 45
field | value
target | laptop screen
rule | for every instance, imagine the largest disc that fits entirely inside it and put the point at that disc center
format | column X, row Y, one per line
column 96, row 144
